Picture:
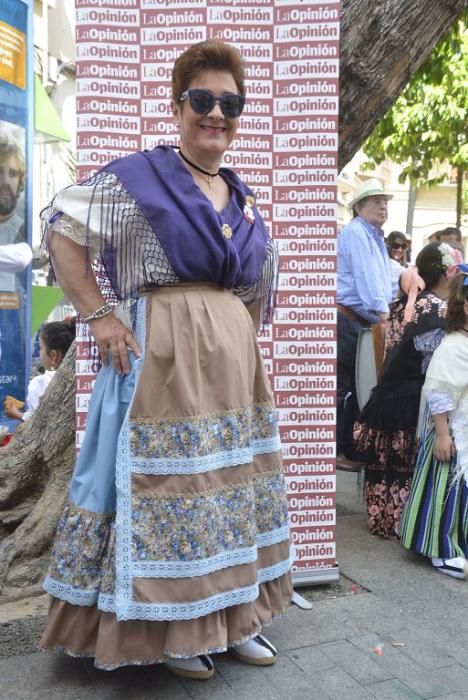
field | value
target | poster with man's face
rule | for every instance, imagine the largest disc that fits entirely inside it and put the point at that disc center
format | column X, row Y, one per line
column 13, row 281
column 16, row 128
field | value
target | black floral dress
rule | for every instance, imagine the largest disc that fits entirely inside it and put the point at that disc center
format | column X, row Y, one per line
column 385, row 433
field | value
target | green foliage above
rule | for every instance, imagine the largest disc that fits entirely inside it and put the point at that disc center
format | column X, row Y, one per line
column 427, row 125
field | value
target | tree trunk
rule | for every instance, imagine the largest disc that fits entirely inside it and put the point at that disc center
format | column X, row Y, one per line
column 35, row 469
column 383, row 43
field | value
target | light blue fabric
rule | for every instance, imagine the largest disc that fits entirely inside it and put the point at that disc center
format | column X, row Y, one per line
column 364, row 277
column 93, row 484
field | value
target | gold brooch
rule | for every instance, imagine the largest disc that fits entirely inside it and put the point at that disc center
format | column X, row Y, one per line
column 227, row 231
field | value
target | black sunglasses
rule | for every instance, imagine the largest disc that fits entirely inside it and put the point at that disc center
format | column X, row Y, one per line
column 203, row 101
column 395, row 246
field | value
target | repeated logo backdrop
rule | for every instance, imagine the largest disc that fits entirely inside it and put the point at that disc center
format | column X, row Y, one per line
column 286, row 150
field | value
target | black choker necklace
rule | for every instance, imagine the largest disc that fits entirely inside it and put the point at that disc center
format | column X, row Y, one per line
column 197, row 167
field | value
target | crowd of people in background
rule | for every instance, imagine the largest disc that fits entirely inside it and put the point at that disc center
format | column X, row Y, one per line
column 411, row 436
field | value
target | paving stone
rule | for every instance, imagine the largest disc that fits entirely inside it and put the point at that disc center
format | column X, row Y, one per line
column 310, row 659
column 44, row 675
column 455, row 678
column 339, row 685
column 392, row 690
column 324, row 623
column 240, row 677
column 356, row 662
column 216, row 687
column 287, row 677
column 426, row 684
column 135, row 683
column 426, row 651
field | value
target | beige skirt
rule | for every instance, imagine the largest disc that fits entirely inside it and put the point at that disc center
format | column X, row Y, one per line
column 175, row 539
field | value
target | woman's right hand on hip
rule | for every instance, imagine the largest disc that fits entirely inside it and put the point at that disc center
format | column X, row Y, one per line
column 112, row 336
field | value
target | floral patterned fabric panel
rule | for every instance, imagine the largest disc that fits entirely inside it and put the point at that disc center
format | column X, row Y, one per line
column 200, row 436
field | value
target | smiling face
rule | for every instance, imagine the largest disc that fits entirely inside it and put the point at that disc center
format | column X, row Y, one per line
column 205, row 137
column 397, row 249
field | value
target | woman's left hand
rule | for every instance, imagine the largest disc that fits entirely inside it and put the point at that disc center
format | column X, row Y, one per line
column 444, row 449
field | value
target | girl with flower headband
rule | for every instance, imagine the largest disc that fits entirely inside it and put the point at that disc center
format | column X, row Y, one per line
column 385, row 433
column 435, row 519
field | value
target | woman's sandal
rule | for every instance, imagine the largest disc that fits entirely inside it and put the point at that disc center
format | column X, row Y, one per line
column 257, row 652
column 197, row 667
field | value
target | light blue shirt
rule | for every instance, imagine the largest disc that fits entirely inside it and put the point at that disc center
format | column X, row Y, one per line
column 364, row 277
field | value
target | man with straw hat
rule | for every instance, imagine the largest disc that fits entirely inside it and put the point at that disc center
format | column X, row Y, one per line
column 363, row 295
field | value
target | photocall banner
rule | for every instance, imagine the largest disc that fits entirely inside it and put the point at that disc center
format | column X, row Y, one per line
column 287, row 151
column 14, row 196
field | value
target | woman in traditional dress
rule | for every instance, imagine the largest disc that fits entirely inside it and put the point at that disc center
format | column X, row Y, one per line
column 435, row 518
column 385, row 434
column 174, row 543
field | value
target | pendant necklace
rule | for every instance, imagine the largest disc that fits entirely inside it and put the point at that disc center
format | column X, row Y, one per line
column 211, row 176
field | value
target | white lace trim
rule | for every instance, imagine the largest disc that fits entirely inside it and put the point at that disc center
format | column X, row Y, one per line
column 219, row 460
column 270, row 573
column 265, row 539
column 265, row 445
column 168, row 611
column 123, row 519
column 439, row 402
column 106, row 602
column 140, row 325
column 188, row 611
column 64, row 591
column 199, row 608
column 200, row 567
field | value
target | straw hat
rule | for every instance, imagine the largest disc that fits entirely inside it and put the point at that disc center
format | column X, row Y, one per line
column 368, row 188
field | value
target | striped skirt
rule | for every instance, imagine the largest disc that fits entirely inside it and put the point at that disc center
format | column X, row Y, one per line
column 435, row 518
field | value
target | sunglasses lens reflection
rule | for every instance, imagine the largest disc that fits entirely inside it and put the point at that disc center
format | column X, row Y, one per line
column 231, row 105
column 202, row 102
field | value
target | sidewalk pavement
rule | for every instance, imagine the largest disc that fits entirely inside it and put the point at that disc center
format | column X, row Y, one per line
column 404, row 635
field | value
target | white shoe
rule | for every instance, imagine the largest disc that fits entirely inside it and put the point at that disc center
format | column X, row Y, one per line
column 257, row 652
column 457, row 567
column 198, row 667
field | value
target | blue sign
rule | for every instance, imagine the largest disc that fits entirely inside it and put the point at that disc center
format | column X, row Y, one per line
column 16, row 129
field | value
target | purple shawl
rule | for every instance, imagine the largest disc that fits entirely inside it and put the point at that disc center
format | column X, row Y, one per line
column 186, row 224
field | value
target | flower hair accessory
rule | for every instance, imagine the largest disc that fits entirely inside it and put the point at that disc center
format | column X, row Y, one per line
column 450, row 258
column 463, row 268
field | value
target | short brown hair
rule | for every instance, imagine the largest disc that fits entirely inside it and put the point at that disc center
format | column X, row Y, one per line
column 207, row 55
column 458, row 295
